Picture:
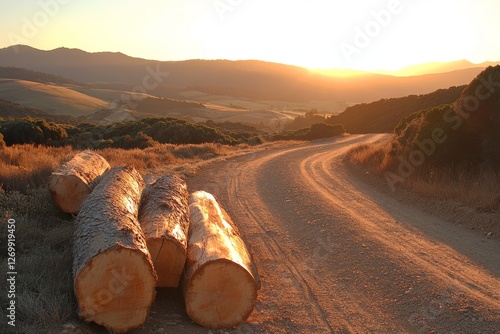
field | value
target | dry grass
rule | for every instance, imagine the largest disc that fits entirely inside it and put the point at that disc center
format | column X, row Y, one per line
column 44, row 296
column 478, row 188
column 475, row 187
column 24, row 167
column 376, row 157
column 61, row 100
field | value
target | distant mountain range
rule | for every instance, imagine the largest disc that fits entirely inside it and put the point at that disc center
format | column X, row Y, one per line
column 243, row 79
column 438, row 67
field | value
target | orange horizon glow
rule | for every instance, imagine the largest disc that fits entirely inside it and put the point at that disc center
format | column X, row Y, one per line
column 377, row 36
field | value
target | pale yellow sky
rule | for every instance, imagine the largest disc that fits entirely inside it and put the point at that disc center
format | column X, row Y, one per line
column 368, row 35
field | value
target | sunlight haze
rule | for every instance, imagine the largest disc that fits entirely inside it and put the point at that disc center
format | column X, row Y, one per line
column 364, row 35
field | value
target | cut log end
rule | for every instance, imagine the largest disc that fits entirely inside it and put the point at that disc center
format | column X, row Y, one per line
column 68, row 192
column 164, row 216
column 221, row 294
column 115, row 288
column 169, row 257
column 220, row 288
column 71, row 183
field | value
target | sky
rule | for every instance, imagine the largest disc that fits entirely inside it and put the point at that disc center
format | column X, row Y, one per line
column 357, row 34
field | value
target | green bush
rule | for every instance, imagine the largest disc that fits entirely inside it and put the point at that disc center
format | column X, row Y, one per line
column 322, row 130
column 417, row 132
column 310, row 118
column 140, row 140
column 31, row 131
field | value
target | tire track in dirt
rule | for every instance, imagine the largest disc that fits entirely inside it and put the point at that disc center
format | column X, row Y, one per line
column 337, row 256
column 307, row 287
column 442, row 261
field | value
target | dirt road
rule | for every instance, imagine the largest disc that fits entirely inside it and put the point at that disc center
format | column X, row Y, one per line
column 337, row 255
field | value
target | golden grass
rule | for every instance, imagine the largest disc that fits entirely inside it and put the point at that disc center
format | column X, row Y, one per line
column 478, row 188
column 44, row 235
column 60, row 100
column 28, row 166
column 475, row 187
column 45, row 296
column 376, row 157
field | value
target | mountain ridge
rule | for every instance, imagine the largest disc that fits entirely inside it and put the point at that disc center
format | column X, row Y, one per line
column 252, row 79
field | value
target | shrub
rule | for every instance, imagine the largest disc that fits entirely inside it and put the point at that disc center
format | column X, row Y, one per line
column 316, row 131
column 322, row 130
column 31, row 131
column 21, row 132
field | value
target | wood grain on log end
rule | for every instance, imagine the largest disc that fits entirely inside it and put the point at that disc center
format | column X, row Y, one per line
column 116, row 289
column 71, row 183
column 169, row 258
column 164, row 217
column 113, row 272
column 220, row 294
column 220, row 280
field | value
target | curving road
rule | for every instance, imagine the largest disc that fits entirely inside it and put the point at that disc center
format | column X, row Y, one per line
column 337, row 255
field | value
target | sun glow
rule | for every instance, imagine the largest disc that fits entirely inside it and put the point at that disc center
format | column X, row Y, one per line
column 373, row 35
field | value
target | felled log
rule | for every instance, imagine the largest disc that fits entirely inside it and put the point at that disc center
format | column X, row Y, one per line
column 71, row 183
column 113, row 272
column 164, row 216
column 220, row 281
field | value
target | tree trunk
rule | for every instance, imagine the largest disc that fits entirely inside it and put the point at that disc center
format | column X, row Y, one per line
column 73, row 181
column 112, row 269
column 220, row 281
column 164, row 216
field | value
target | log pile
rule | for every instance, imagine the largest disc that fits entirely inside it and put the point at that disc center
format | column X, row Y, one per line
column 72, row 182
column 130, row 239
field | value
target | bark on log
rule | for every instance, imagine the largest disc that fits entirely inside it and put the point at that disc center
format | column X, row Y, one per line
column 112, row 269
column 220, row 281
column 164, row 217
column 71, row 183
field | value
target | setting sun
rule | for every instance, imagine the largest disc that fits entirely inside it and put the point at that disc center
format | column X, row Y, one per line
column 375, row 35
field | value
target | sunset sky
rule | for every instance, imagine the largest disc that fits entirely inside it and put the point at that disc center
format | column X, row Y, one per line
column 367, row 35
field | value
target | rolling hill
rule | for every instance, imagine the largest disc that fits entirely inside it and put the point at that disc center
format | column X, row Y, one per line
column 449, row 151
column 383, row 115
column 55, row 102
column 29, row 75
column 243, row 79
column 51, row 98
column 14, row 110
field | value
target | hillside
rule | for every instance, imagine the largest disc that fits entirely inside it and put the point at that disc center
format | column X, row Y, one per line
column 45, row 95
column 14, row 110
column 53, row 99
column 450, row 152
column 471, row 130
column 249, row 79
column 29, row 75
column 385, row 114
